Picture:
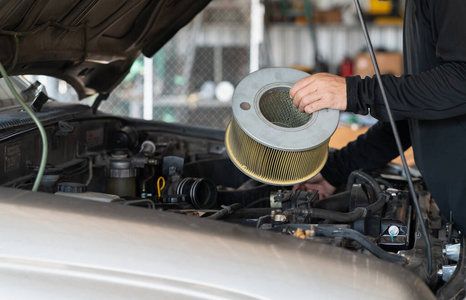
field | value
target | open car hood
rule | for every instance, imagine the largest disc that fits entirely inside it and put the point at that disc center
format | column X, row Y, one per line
column 89, row 43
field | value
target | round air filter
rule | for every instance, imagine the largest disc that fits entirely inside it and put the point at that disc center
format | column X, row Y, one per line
column 269, row 139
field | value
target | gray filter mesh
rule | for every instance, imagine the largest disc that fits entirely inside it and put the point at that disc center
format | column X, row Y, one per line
column 277, row 107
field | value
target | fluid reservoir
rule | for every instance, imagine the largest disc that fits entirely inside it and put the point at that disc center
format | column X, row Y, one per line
column 269, row 139
column 121, row 177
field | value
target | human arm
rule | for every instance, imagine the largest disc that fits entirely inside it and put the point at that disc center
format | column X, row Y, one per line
column 434, row 56
column 369, row 151
column 439, row 93
column 436, row 94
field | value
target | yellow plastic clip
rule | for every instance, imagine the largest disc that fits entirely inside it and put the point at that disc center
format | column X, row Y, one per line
column 160, row 188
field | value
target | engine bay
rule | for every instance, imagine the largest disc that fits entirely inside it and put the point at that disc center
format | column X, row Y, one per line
column 187, row 171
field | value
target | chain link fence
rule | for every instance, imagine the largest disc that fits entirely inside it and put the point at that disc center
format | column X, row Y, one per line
column 192, row 78
column 193, row 75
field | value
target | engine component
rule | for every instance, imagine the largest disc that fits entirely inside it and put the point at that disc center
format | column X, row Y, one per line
column 361, row 239
column 360, row 177
column 397, row 215
column 79, row 190
column 50, row 177
column 201, row 192
column 71, row 187
column 126, row 137
column 121, row 176
column 454, row 288
column 172, row 165
column 447, row 271
column 230, row 182
column 226, row 210
column 294, row 199
column 147, row 148
column 452, row 251
column 269, row 139
column 358, row 213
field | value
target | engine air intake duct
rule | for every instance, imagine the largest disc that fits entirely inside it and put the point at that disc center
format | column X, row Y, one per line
column 268, row 138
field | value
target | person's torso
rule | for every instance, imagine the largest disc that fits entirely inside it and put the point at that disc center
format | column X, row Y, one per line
column 439, row 145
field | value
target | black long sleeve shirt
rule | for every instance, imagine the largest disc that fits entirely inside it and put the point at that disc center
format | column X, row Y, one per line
column 429, row 101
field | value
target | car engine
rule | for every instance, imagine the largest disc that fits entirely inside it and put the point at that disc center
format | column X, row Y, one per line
column 186, row 170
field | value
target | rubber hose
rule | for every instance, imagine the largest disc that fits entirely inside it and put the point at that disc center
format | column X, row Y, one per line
column 250, row 213
column 375, row 187
column 43, row 134
column 378, row 205
column 357, row 214
column 384, row 182
column 361, row 239
column 224, row 211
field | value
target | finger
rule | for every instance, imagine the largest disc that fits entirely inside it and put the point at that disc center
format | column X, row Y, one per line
column 313, row 79
column 305, row 96
column 299, row 186
column 302, row 93
column 309, row 100
column 309, row 186
column 323, row 99
column 316, row 106
column 300, row 84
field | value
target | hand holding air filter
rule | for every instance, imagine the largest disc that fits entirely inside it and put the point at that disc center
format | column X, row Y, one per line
column 269, row 139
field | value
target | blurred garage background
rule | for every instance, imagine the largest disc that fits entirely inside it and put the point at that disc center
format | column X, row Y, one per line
column 191, row 79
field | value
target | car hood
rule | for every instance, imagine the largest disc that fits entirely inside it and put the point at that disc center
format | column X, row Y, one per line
column 91, row 44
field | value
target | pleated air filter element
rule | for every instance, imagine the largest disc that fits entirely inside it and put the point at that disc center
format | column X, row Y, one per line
column 269, row 139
